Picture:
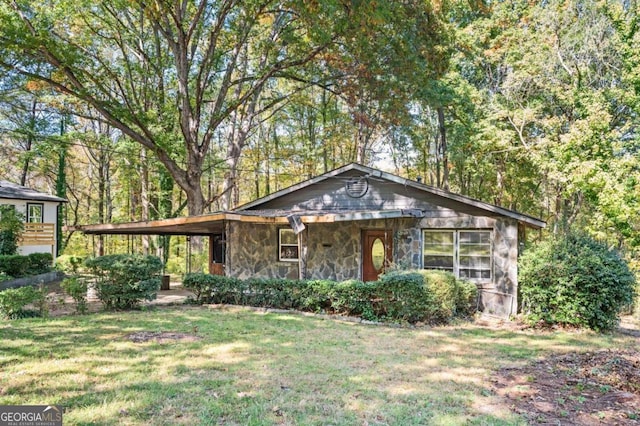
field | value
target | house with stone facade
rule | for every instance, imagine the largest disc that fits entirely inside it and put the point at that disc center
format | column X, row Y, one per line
column 354, row 223
column 40, row 212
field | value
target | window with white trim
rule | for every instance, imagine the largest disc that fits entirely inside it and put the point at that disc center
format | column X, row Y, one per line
column 465, row 253
column 35, row 213
column 438, row 250
column 287, row 245
column 474, row 255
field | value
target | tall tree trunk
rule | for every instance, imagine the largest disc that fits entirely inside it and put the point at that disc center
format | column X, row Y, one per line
column 438, row 175
column 144, row 196
column 325, row 152
column 29, row 142
column 443, row 148
column 61, row 187
column 165, row 206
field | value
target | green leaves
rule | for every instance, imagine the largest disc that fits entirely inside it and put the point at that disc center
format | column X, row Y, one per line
column 398, row 296
column 123, row 281
column 11, row 227
column 575, row 280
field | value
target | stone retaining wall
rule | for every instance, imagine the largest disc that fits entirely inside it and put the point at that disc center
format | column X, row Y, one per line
column 46, row 278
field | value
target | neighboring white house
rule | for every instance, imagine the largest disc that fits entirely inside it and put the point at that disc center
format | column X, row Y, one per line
column 41, row 215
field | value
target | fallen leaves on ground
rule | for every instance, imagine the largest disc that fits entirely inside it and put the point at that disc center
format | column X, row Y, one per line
column 591, row 388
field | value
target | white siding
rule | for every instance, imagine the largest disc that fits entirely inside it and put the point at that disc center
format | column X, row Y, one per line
column 49, row 216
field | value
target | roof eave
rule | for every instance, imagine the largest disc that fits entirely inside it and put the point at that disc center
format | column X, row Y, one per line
column 525, row 219
column 49, row 198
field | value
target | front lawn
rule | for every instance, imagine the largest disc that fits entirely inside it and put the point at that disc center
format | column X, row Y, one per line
column 239, row 366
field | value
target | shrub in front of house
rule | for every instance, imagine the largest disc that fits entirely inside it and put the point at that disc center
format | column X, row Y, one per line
column 123, row 280
column 403, row 296
column 351, row 297
column 271, row 293
column 214, row 288
column 14, row 300
column 467, row 299
column 76, row 287
column 17, row 266
column 575, row 280
column 11, row 227
column 14, row 265
column 69, row 263
column 315, row 295
column 40, row 263
column 453, row 297
column 400, row 296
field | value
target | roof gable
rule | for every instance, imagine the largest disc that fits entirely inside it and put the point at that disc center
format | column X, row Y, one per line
column 339, row 190
column 10, row 190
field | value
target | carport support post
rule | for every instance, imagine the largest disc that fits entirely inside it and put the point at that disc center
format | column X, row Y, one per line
column 302, row 256
column 211, row 242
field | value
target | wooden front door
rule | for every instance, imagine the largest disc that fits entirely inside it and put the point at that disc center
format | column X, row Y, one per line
column 377, row 252
column 216, row 254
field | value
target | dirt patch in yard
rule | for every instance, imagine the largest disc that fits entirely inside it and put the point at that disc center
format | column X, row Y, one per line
column 592, row 388
column 161, row 337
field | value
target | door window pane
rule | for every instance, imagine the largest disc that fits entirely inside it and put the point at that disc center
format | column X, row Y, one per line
column 377, row 254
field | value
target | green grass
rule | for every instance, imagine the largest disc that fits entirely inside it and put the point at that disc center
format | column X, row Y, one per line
column 262, row 369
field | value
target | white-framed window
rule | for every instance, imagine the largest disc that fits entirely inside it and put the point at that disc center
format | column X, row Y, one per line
column 438, row 250
column 474, row 255
column 35, row 213
column 287, row 245
column 465, row 253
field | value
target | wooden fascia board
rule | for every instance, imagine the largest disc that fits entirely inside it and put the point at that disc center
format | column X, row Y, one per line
column 280, row 219
column 259, row 219
column 329, row 218
column 149, row 226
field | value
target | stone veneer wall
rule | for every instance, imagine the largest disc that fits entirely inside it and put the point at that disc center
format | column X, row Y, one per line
column 335, row 249
column 334, row 252
column 252, row 251
column 500, row 296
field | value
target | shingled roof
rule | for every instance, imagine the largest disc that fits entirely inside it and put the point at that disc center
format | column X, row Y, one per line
column 452, row 200
column 256, row 212
column 10, row 190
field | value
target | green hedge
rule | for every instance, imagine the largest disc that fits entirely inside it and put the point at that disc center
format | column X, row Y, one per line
column 123, row 281
column 18, row 266
column 69, row 263
column 453, row 297
column 11, row 227
column 14, row 300
column 575, row 280
column 404, row 296
column 76, row 287
column 40, row 263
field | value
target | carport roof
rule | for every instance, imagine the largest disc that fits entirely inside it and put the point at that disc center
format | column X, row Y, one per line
column 214, row 222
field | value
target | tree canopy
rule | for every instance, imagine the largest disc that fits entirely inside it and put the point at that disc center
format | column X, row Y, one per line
column 205, row 104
